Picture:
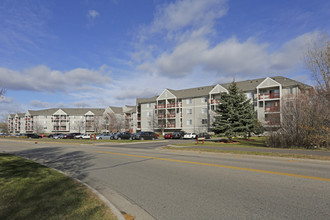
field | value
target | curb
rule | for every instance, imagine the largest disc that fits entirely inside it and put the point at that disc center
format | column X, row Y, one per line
column 113, row 208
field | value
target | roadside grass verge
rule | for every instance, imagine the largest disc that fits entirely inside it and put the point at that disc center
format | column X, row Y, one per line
column 255, row 142
column 29, row 190
column 257, row 153
column 238, row 142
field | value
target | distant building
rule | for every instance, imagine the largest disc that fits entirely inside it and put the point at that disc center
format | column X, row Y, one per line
column 65, row 120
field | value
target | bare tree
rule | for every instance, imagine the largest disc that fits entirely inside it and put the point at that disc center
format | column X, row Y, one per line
column 305, row 122
column 3, row 127
column 113, row 122
column 38, row 128
column 317, row 60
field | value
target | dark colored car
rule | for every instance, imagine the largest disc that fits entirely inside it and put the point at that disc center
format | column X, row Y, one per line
column 144, row 135
column 33, row 136
column 168, row 136
column 204, row 135
column 122, row 135
column 70, row 135
column 178, row 134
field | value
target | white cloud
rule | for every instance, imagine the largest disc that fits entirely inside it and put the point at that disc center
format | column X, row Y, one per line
column 185, row 13
column 42, row 78
column 228, row 57
column 92, row 14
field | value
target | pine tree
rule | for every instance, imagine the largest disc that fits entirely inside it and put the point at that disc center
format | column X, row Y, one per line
column 235, row 114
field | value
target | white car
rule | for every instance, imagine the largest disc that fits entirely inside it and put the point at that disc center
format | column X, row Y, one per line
column 83, row 136
column 190, row 136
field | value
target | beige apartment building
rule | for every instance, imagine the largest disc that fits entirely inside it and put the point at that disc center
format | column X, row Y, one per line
column 190, row 110
column 193, row 110
column 66, row 120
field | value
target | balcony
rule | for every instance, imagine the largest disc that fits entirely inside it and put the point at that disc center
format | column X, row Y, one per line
column 160, row 106
column 215, row 101
column 174, row 105
column 172, row 115
column 161, row 116
column 170, row 125
column 272, row 109
column 268, row 96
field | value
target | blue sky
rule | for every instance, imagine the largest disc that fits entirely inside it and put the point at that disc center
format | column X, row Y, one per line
column 109, row 52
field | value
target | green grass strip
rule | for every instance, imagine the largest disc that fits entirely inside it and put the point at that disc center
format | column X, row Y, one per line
column 31, row 191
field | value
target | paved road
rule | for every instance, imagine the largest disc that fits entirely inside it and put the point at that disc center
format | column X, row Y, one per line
column 151, row 183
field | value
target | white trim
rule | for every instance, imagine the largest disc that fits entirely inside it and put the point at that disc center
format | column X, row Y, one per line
column 260, row 86
column 166, row 90
column 218, row 87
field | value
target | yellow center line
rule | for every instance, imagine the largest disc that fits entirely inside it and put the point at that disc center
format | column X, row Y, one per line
column 219, row 165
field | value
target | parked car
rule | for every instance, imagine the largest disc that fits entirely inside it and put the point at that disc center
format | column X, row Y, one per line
column 59, row 136
column 122, row 135
column 178, row 134
column 144, row 135
column 70, row 135
column 168, row 136
column 52, row 135
column 83, row 136
column 190, row 136
column 204, row 135
column 33, row 136
column 104, row 136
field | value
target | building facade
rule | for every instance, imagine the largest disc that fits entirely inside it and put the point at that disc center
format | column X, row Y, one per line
column 66, row 120
column 190, row 110
column 193, row 110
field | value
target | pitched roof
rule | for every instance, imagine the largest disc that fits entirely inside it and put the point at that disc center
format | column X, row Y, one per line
column 116, row 110
column 146, row 100
column 246, row 85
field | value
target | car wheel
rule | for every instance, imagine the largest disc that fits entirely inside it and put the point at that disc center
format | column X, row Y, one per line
column 100, row 138
column 119, row 138
column 141, row 138
column 153, row 139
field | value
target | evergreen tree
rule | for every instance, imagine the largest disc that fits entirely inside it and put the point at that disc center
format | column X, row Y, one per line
column 235, row 114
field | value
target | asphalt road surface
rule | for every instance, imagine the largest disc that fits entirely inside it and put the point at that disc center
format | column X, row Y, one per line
column 148, row 182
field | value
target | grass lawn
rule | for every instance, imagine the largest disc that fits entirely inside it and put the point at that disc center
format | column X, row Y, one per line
column 255, row 142
column 238, row 142
column 29, row 190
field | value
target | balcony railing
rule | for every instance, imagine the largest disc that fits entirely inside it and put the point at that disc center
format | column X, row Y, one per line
column 160, row 106
column 161, row 116
column 173, row 105
column 215, row 101
column 272, row 109
column 170, row 125
column 269, row 96
column 172, row 115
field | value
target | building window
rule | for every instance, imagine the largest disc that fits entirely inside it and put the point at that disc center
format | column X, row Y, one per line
column 189, row 111
column 204, row 121
column 189, row 122
column 189, row 101
column 204, row 110
column 204, row 99
column 290, row 90
column 149, row 123
column 148, row 105
column 149, row 114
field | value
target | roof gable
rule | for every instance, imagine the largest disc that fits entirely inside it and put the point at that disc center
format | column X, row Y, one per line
column 268, row 82
column 218, row 89
column 166, row 94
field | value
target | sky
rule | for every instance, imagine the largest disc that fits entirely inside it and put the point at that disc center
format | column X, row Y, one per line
column 99, row 53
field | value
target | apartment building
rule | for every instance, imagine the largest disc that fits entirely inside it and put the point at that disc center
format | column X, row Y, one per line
column 65, row 120
column 193, row 110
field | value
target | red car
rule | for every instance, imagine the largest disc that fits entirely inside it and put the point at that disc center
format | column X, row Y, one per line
column 168, row 136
